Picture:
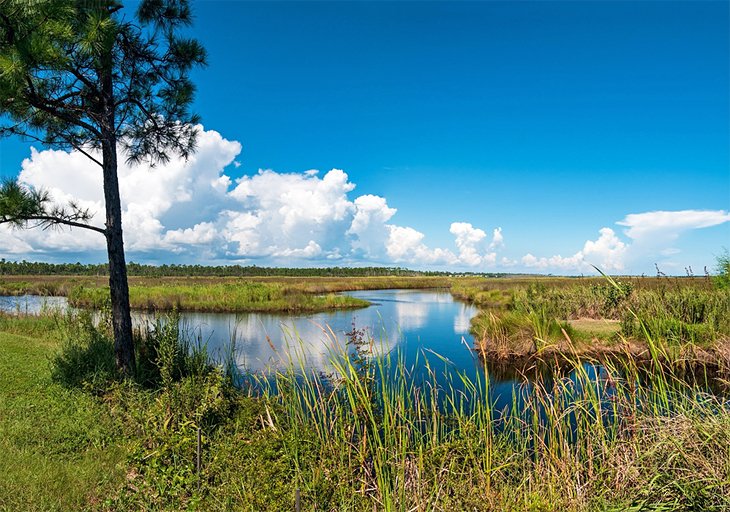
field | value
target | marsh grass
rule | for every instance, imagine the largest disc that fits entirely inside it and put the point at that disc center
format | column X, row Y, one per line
column 375, row 433
column 63, row 285
column 688, row 317
column 227, row 297
column 579, row 440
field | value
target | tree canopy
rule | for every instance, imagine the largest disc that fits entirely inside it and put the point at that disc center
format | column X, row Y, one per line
column 88, row 76
column 73, row 70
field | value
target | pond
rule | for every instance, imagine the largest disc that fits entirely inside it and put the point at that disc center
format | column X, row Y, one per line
column 411, row 321
column 411, row 324
column 31, row 304
column 414, row 325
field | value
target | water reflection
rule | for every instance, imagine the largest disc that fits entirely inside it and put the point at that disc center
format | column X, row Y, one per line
column 414, row 324
column 409, row 320
column 412, row 321
column 462, row 320
column 411, row 315
column 31, row 304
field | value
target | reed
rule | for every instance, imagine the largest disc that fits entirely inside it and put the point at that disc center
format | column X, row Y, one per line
column 687, row 316
column 576, row 441
column 376, row 433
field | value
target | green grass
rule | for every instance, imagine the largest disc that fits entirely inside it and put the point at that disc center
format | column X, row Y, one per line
column 396, row 449
column 263, row 294
column 59, row 449
column 688, row 318
column 243, row 296
column 365, row 437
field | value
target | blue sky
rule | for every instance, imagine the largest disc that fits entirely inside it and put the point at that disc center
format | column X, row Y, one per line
column 549, row 120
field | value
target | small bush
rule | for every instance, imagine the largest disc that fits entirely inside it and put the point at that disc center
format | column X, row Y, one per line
column 86, row 357
column 164, row 354
column 167, row 354
column 722, row 279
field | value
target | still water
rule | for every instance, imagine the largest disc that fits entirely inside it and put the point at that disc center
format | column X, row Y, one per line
column 417, row 326
column 411, row 323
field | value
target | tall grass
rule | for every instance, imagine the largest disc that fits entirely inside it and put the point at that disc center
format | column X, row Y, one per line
column 63, row 285
column 572, row 442
column 376, row 433
column 222, row 297
column 688, row 317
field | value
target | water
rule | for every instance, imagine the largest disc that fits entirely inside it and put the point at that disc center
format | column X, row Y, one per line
column 411, row 324
column 410, row 321
column 31, row 304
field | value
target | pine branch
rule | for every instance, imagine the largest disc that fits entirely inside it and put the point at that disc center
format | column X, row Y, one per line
column 20, row 206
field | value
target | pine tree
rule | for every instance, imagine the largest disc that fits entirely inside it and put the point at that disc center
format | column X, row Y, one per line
column 85, row 75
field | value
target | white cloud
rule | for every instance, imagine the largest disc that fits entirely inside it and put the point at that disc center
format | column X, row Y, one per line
column 312, row 250
column 369, row 226
column 506, row 262
column 12, row 244
column 203, row 233
column 174, row 196
column 194, row 210
column 651, row 234
column 497, row 239
column 469, row 241
column 406, row 245
column 278, row 213
column 669, row 225
column 607, row 253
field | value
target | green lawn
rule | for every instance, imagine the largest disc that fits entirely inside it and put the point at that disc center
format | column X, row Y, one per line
column 58, row 448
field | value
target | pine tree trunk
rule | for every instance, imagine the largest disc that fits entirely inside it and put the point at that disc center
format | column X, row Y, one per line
column 118, row 286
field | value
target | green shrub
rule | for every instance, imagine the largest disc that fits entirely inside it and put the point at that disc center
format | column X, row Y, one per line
column 86, row 356
column 167, row 354
column 722, row 279
column 164, row 354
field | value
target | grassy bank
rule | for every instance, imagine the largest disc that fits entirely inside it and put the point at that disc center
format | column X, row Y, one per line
column 355, row 442
column 60, row 449
column 520, row 317
column 687, row 319
column 265, row 294
column 242, row 296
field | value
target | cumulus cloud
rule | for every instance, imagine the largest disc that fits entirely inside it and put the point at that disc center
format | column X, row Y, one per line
column 650, row 234
column 606, row 252
column 193, row 209
column 470, row 242
column 497, row 239
column 369, row 229
column 279, row 214
column 405, row 244
column 175, row 196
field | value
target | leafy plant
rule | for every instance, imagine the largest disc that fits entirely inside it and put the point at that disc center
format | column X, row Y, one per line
column 722, row 279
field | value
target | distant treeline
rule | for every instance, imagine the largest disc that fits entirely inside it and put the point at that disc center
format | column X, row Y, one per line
column 137, row 269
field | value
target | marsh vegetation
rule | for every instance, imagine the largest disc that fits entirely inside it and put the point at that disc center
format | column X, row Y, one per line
column 686, row 319
column 581, row 431
column 284, row 294
column 595, row 436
